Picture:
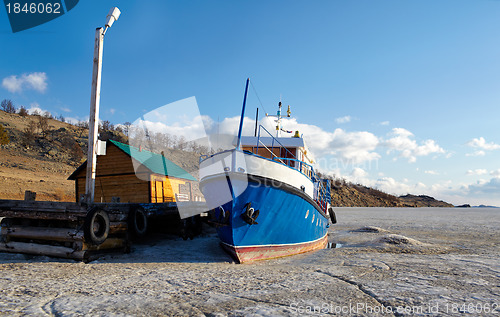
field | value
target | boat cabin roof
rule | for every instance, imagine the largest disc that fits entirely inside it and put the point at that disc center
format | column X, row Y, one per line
column 268, row 141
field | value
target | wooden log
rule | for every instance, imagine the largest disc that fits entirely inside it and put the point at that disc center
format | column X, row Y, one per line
column 118, row 217
column 109, row 243
column 41, row 215
column 49, row 206
column 42, row 233
column 42, row 249
column 118, row 227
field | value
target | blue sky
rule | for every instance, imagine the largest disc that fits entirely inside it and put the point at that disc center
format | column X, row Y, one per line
column 400, row 95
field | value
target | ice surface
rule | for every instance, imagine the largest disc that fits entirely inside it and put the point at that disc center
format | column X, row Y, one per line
column 453, row 263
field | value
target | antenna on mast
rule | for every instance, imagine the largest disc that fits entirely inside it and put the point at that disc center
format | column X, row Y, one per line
column 278, row 117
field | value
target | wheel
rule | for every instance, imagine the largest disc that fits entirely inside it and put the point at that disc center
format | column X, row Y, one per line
column 96, row 226
column 138, row 222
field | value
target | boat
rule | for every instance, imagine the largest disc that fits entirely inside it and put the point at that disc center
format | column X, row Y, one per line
column 267, row 200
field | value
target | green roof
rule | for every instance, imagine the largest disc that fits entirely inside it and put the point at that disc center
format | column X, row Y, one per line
column 156, row 163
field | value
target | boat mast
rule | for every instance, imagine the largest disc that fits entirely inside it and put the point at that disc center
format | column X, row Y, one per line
column 238, row 145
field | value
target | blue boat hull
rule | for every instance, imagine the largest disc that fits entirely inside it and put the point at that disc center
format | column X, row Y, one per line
column 289, row 221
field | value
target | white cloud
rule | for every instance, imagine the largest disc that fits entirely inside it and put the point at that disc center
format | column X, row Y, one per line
column 112, row 111
column 343, row 119
column 384, row 123
column 495, row 173
column 35, row 108
column 402, row 132
column 12, row 84
column 431, row 172
column 36, row 81
column 392, row 186
column 356, row 147
column 480, row 143
column 476, row 153
column 350, row 147
column 402, row 142
column 190, row 130
column 481, row 146
column 65, row 109
column 491, row 187
column 478, row 171
column 76, row 120
column 358, row 175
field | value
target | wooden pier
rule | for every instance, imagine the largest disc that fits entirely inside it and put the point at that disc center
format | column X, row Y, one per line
column 79, row 231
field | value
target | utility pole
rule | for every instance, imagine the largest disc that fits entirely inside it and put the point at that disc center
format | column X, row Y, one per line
column 95, row 98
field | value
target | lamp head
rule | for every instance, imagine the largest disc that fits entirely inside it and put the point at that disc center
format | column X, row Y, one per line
column 113, row 15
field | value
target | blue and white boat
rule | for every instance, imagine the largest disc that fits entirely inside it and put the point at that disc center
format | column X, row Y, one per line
column 267, row 199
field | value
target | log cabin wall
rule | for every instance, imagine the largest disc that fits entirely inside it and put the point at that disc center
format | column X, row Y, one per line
column 116, row 177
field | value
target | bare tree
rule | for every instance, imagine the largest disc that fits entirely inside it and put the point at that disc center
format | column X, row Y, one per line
column 83, row 124
column 43, row 124
column 48, row 115
column 8, row 106
column 106, row 126
column 23, row 112
column 28, row 135
column 126, row 129
column 181, row 143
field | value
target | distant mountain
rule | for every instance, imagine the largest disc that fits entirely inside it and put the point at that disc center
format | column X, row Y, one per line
column 423, row 201
column 480, row 206
column 345, row 194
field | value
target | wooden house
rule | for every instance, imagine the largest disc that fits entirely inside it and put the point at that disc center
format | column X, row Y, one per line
column 136, row 176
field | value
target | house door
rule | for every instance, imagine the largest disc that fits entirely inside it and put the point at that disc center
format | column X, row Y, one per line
column 168, row 192
column 158, row 192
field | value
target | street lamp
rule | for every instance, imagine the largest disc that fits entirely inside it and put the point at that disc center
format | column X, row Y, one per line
column 95, row 95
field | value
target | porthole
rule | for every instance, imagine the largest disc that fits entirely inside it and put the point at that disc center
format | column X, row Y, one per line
column 313, row 219
column 307, row 213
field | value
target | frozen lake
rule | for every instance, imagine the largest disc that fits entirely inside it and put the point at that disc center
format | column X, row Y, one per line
column 393, row 261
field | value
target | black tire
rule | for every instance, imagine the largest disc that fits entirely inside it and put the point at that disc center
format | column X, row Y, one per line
column 96, row 226
column 333, row 217
column 138, row 222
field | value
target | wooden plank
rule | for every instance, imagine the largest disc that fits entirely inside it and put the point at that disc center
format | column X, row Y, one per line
column 42, row 249
column 42, row 233
column 52, row 206
column 42, row 215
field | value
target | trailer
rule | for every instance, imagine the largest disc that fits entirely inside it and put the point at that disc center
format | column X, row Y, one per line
column 86, row 231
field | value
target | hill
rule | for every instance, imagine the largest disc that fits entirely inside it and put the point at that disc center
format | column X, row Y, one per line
column 346, row 194
column 43, row 152
column 423, row 201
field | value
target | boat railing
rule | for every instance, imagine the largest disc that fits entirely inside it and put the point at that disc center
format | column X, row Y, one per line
column 322, row 193
column 299, row 165
column 273, row 141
